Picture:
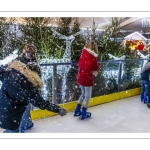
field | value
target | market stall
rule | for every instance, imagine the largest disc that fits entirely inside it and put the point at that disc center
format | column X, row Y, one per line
column 136, row 41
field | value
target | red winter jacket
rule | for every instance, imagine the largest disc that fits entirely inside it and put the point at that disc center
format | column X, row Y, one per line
column 86, row 65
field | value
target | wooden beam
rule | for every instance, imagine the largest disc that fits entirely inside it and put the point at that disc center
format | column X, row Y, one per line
column 131, row 20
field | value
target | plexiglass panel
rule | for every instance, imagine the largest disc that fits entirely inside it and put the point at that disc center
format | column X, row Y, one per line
column 113, row 76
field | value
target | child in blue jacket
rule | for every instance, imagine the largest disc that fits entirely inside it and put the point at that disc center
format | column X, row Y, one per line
column 145, row 82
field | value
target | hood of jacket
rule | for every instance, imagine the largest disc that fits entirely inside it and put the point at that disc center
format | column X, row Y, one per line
column 32, row 76
column 91, row 52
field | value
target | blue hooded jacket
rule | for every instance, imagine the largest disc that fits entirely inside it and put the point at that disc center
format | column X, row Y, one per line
column 145, row 75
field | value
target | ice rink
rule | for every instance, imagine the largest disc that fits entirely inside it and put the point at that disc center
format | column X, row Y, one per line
column 128, row 115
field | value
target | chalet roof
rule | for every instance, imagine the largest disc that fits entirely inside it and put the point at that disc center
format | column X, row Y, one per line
column 135, row 36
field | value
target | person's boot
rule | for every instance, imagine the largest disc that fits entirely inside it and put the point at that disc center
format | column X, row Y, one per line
column 85, row 114
column 145, row 99
column 142, row 97
column 148, row 103
column 77, row 111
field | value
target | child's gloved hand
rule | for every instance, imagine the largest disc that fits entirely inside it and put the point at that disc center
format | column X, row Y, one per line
column 62, row 112
column 95, row 73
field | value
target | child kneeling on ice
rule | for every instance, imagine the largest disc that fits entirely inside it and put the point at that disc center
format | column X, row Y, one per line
column 20, row 86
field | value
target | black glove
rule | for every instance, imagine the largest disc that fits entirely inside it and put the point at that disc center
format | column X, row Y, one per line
column 62, row 112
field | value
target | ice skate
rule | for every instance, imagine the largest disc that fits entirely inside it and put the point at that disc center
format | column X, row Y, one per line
column 85, row 114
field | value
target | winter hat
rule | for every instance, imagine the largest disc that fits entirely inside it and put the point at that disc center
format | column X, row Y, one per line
column 34, row 67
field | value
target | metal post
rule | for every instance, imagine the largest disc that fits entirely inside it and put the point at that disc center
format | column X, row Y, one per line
column 119, row 75
column 54, row 85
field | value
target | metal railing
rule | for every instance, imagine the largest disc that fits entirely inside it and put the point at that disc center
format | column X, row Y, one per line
column 113, row 76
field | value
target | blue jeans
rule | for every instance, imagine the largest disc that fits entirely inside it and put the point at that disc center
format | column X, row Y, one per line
column 26, row 120
column 145, row 87
column 11, row 131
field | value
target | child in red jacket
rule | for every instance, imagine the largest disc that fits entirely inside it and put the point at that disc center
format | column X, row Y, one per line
column 87, row 66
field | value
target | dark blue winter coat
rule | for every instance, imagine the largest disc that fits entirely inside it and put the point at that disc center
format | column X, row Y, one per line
column 145, row 75
column 20, row 86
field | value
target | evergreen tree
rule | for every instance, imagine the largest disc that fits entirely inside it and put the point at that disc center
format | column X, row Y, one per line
column 111, row 41
column 64, row 25
column 68, row 26
column 79, row 42
column 8, row 37
column 64, row 28
column 36, row 31
column 2, row 35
